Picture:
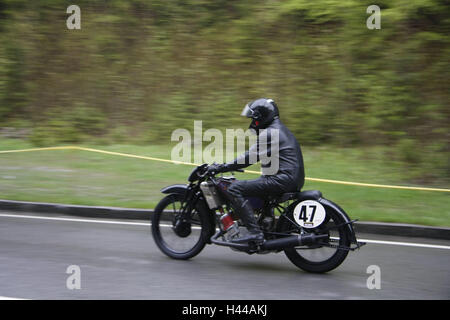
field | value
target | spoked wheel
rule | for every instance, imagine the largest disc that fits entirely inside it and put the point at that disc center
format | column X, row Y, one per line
column 178, row 235
column 327, row 254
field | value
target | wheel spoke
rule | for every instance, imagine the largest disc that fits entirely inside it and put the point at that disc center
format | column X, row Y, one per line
column 181, row 237
column 320, row 252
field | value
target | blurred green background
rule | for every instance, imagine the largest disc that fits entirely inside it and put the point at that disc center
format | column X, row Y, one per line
column 138, row 69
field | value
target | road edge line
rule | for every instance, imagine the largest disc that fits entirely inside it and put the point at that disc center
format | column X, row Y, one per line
column 394, row 229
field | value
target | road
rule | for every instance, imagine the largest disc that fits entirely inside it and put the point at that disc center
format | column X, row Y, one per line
column 120, row 261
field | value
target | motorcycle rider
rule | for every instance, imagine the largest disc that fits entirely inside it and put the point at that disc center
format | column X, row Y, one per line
column 289, row 176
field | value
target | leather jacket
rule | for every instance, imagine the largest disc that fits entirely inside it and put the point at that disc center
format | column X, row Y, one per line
column 279, row 153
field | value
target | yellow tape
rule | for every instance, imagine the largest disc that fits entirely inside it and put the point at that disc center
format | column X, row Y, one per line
column 39, row 149
column 134, row 156
column 247, row 171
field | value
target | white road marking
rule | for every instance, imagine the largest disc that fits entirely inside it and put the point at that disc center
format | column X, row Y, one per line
column 408, row 244
column 75, row 220
column 394, row 243
column 10, row 298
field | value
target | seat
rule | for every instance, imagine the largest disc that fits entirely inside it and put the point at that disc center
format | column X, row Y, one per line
column 311, row 194
column 308, row 194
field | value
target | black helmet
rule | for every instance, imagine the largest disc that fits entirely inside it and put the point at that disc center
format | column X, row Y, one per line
column 262, row 111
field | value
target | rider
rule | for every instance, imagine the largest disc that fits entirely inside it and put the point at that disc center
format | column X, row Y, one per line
column 289, row 176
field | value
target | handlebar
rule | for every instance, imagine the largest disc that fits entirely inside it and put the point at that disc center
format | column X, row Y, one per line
column 205, row 171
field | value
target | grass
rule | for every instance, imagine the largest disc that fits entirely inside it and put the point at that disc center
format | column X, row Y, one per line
column 80, row 177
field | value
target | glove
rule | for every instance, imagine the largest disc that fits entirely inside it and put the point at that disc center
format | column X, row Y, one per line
column 216, row 168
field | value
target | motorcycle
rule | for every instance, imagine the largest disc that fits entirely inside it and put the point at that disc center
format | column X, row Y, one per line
column 315, row 234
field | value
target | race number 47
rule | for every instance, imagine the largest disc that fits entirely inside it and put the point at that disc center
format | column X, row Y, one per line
column 303, row 213
column 309, row 214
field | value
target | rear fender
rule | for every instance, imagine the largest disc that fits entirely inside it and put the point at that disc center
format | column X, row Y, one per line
column 329, row 206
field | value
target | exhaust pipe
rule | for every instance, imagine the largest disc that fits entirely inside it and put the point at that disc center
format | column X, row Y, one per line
column 292, row 241
column 277, row 244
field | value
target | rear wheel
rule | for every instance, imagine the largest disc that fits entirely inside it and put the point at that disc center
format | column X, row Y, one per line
column 324, row 256
column 177, row 235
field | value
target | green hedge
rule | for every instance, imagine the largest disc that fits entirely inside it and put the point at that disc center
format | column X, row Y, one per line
column 138, row 69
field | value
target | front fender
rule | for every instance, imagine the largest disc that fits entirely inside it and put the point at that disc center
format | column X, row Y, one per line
column 175, row 188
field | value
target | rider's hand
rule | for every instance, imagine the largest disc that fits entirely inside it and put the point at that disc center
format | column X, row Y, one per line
column 216, row 168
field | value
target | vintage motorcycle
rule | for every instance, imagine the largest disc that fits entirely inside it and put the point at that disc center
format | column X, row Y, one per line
column 314, row 233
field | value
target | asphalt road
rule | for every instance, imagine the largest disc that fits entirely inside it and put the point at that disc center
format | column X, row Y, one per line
column 120, row 261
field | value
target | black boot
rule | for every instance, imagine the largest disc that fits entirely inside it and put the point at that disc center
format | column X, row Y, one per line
column 255, row 233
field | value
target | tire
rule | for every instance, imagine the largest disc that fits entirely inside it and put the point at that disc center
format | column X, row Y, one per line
column 162, row 227
column 297, row 256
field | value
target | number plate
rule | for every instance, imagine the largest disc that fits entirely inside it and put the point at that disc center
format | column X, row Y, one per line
column 309, row 214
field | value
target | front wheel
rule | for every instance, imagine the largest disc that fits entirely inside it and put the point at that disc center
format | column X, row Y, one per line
column 324, row 256
column 178, row 235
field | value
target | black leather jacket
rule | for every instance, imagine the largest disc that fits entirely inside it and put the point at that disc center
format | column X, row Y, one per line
column 280, row 155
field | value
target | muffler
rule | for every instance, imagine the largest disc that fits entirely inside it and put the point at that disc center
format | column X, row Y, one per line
column 292, row 241
column 276, row 244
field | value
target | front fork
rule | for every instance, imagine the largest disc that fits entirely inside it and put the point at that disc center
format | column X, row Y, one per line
column 184, row 215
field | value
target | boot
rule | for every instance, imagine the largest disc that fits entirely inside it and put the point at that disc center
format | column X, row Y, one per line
column 255, row 233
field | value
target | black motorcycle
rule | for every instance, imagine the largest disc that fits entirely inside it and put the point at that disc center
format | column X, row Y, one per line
column 314, row 233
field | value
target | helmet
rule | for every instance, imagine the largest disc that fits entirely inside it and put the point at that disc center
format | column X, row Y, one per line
column 262, row 111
